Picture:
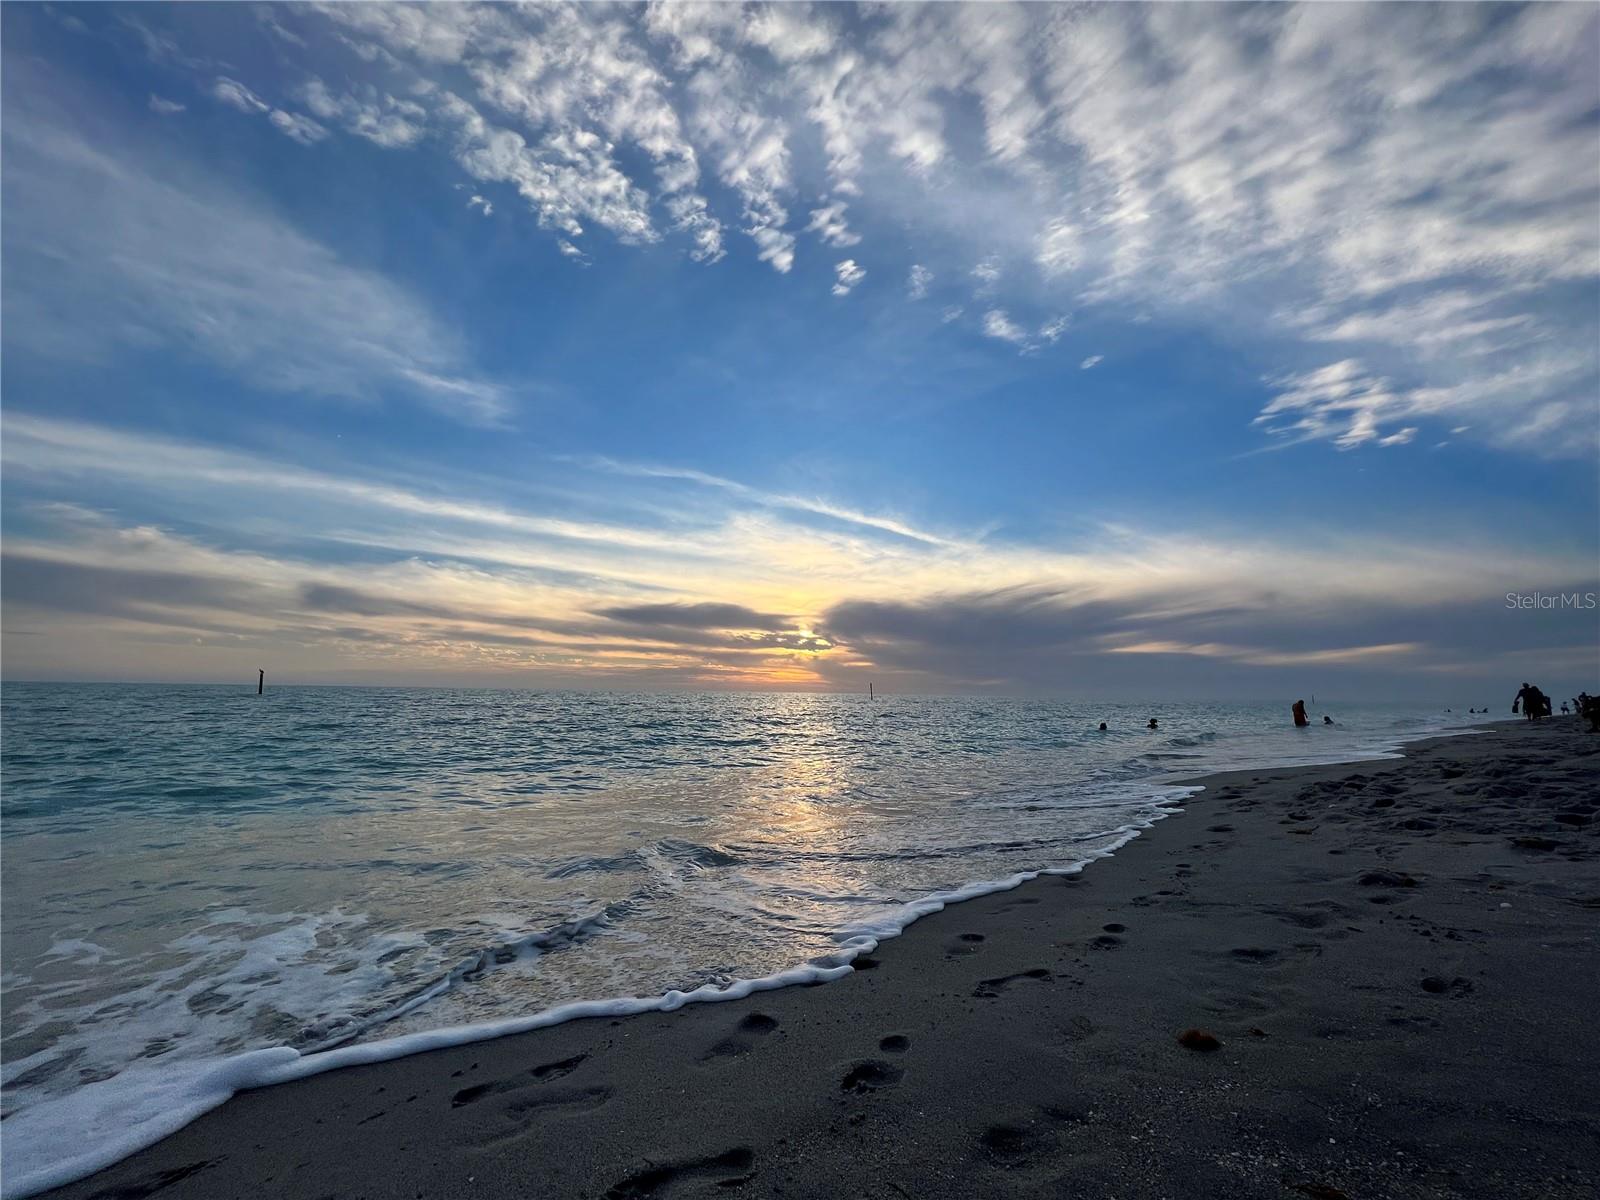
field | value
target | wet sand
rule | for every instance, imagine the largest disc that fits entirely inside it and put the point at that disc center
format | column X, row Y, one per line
column 1399, row 961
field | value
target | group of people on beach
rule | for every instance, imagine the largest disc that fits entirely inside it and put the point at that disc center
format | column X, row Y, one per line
column 1534, row 705
column 1530, row 701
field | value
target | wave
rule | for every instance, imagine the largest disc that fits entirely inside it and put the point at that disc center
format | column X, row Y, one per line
column 116, row 1117
column 471, row 969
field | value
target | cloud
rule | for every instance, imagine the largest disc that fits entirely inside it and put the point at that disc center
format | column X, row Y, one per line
column 107, row 251
column 302, row 129
column 997, row 324
column 234, row 94
column 918, row 281
column 709, row 583
column 37, row 445
column 847, row 275
column 816, row 507
column 376, row 116
column 1216, row 167
column 829, row 224
column 987, row 273
column 704, row 615
column 1339, row 401
column 568, row 179
column 1094, row 360
column 1074, row 639
column 292, row 125
column 165, row 107
column 488, row 208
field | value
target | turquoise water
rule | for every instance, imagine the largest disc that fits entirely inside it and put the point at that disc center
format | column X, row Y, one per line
column 191, row 873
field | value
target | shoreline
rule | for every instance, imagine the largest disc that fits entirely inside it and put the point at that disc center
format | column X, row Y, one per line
column 924, row 954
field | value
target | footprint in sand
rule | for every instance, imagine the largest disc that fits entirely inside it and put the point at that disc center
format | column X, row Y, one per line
column 1022, row 902
column 540, row 1074
column 1010, row 1146
column 1077, row 1029
column 1388, row 879
column 870, row 1075
column 726, row 1170
column 895, row 1043
column 742, row 1040
column 990, row 988
column 516, row 1113
column 1255, row 954
column 965, row 943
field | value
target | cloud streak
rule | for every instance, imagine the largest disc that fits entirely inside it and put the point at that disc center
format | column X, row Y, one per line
column 103, row 253
column 744, row 592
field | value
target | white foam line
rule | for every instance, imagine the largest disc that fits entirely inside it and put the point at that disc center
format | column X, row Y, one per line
column 1349, row 757
column 114, row 1117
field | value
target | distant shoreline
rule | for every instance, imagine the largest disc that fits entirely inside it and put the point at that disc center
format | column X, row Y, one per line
column 249, row 685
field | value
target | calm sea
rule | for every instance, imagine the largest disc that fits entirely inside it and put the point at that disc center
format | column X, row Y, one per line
column 193, row 873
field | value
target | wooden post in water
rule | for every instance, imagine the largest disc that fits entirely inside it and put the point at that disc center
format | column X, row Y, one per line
column 261, row 680
column 870, row 694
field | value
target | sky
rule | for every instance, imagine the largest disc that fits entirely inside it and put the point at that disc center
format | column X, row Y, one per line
column 1115, row 350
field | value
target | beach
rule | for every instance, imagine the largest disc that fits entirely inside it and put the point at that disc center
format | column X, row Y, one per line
column 1397, row 961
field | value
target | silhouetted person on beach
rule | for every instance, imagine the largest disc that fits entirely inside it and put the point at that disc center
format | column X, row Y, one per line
column 1535, row 704
column 1300, row 718
column 1589, row 709
column 1524, row 701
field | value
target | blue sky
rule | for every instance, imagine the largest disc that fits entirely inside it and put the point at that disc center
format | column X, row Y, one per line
column 1117, row 350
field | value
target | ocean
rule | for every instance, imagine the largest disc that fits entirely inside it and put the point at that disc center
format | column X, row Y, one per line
column 206, row 889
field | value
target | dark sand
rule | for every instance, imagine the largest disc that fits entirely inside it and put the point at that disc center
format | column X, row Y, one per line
column 1400, row 960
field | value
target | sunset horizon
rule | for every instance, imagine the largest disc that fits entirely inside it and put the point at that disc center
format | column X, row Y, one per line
column 799, row 348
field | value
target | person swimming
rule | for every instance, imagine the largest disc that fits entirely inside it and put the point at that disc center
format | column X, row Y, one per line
column 1300, row 718
column 1152, row 724
column 1102, row 726
column 1326, row 719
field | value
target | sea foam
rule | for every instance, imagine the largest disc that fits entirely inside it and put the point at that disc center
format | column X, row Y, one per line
column 70, row 1137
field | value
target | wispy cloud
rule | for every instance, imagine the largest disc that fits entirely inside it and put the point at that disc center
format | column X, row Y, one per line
column 846, row 275
column 999, row 325
column 778, row 500
column 235, row 95
column 1193, row 156
column 756, row 589
column 106, row 251
column 830, row 226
